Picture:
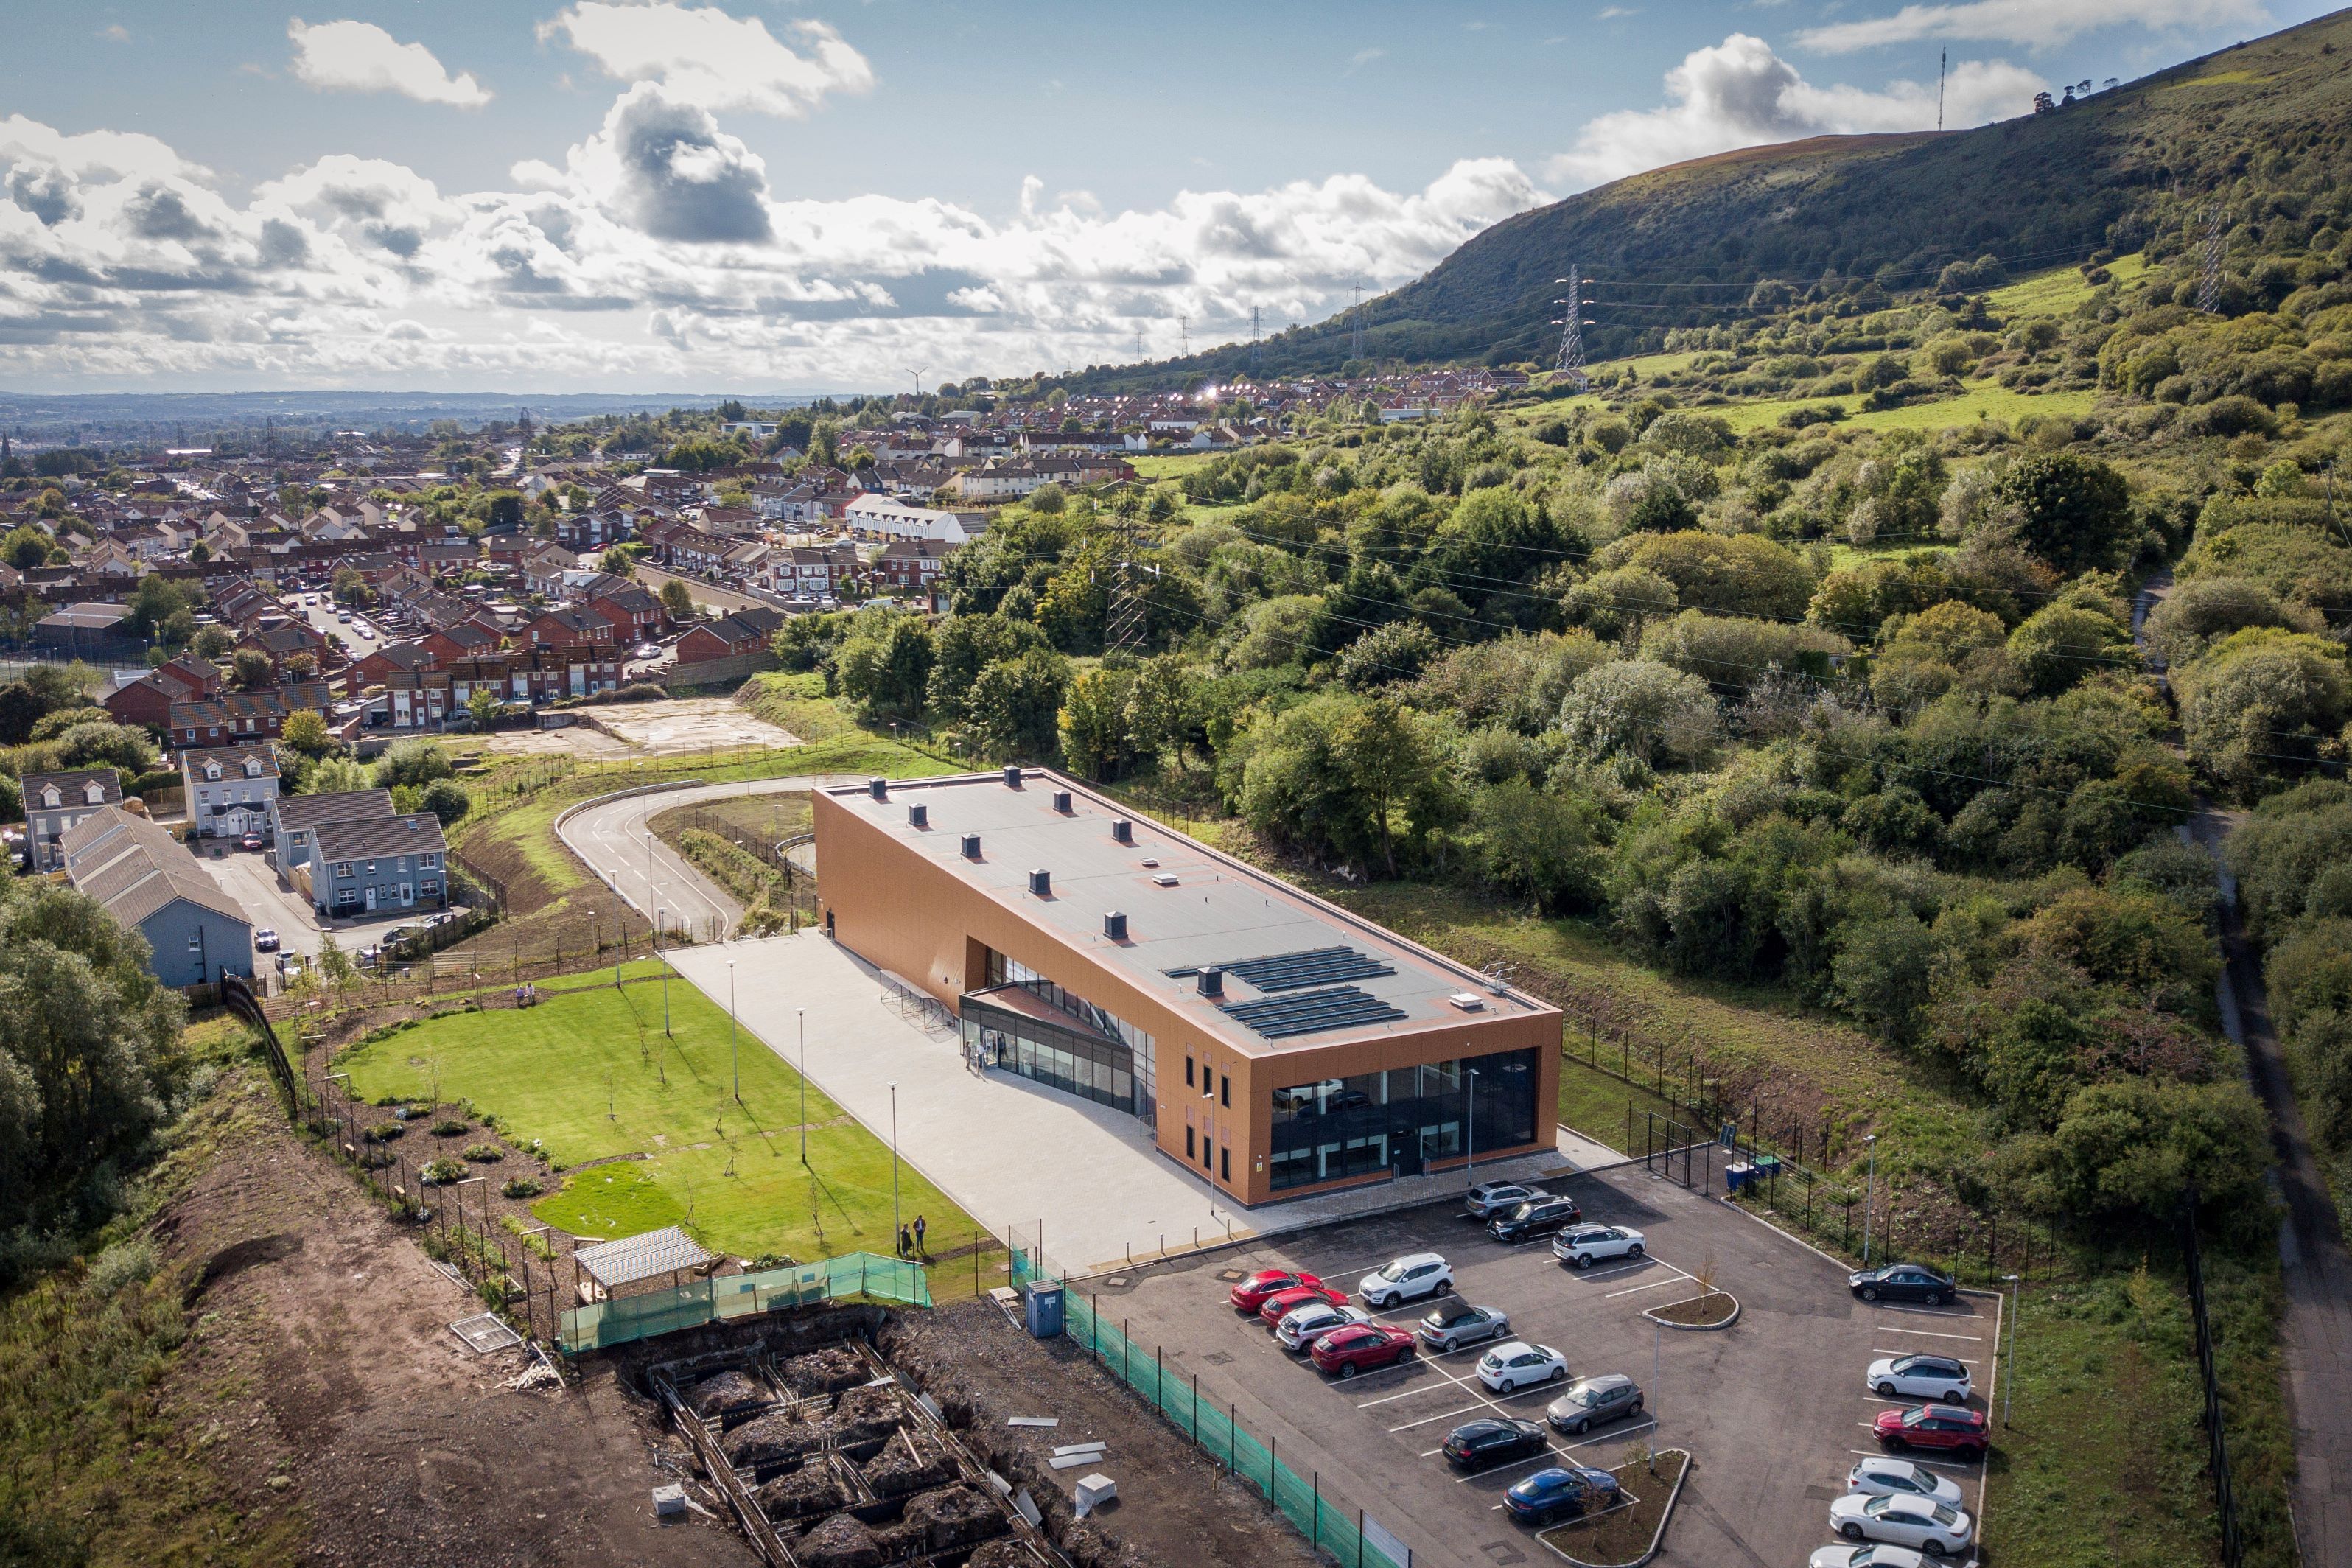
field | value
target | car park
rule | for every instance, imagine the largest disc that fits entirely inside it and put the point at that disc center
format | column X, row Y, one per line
column 1274, row 1306
column 1589, row 1401
column 265, row 939
column 1560, row 1493
column 1582, row 1245
column 1362, row 1347
column 1250, row 1294
column 1488, row 1199
column 1477, row 1445
column 1948, row 1428
column 1535, row 1217
column 1902, row 1282
column 1407, row 1278
column 1874, row 1556
column 1930, row 1527
column 1455, row 1323
column 1883, row 1473
column 1519, row 1365
column 1302, row 1326
column 1938, row 1378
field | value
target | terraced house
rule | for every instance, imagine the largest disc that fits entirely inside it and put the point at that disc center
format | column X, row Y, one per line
column 378, row 863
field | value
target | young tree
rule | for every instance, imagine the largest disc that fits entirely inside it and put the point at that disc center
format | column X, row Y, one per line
column 677, row 602
column 416, row 760
column 306, row 734
column 445, row 799
column 335, row 775
column 483, row 707
column 249, row 669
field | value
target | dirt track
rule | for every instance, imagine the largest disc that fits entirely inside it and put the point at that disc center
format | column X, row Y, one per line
column 324, row 1358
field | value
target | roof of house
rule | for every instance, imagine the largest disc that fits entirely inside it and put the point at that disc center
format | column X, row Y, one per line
column 133, row 868
column 232, row 760
column 293, row 813
column 70, row 782
column 1298, row 972
column 373, row 838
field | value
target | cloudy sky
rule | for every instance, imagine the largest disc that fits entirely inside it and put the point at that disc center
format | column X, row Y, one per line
column 764, row 195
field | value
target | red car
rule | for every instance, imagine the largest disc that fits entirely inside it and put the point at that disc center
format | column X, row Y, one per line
column 1281, row 1302
column 1251, row 1293
column 1945, row 1426
column 1362, row 1347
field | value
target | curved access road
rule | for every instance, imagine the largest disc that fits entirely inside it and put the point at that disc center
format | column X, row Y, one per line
column 613, row 835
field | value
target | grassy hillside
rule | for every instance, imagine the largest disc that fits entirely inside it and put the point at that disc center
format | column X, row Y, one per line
column 1685, row 246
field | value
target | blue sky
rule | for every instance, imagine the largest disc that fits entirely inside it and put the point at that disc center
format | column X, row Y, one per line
column 623, row 194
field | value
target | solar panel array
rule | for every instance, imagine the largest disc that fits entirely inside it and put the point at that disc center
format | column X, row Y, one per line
column 1311, row 1012
column 1297, row 970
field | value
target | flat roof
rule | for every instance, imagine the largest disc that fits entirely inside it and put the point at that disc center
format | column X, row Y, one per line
column 1215, row 911
column 614, row 1264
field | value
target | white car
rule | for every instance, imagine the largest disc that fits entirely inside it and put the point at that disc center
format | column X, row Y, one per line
column 1939, row 1378
column 366, row 632
column 1488, row 1199
column 1864, row 1557
column 646, row 650
column 1584, row 1244
column 1519, row 1365
column 1408, row 1279
column 1302, row 1326
column 1903, row 1521
column 1884, row 1474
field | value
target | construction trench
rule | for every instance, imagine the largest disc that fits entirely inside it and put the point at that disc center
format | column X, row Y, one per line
column 814, row 1430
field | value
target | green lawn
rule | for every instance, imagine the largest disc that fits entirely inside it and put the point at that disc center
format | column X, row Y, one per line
column 589, row 1075
column 1982, row 400
column 2058, row 291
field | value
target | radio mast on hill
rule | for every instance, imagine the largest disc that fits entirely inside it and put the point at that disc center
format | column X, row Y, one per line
column 1572, row 326
column 1943, row 58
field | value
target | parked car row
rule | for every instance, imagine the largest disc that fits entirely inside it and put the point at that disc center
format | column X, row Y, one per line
column 1896, row 1512
column 1515, row 1212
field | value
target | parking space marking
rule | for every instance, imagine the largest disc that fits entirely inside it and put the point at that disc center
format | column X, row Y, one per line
column 1926, row 1334
column 1616, row 1268
column 1440, row 1415
column 1655, row 1285
column 1925, row 1312
column 1589, row 1442
column 1938, row 1464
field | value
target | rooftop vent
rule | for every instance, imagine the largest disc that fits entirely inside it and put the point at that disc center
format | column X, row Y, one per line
column 1012, row 777
column 1115, row 926
column 1469, row 1002
column 1041, row 883
column 1062, row 801
column 1165, row 879
column 1122, row 831
column 878, row 788
column 1212, row 981
column 971, row 846
column 918, row 816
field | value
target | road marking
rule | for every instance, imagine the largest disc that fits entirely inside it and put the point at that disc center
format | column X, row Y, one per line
column 1619, row 1269
column 1637, row 1289
column 1881, row 1453
column 1924, row 1311
column 1621, row 1432
column 1926, row 1334
column 1440, row 1415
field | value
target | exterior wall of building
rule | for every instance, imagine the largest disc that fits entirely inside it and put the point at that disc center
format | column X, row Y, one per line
column 343, row 888
column 170, row 932
column 907, row 914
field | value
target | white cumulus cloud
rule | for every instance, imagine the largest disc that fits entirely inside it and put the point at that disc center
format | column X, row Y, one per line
column 359, row 57
column 2038, row 24
column 1739, row 93
column 702, row 56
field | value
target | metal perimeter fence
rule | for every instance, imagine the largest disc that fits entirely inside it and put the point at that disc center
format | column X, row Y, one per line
column 1351, row 1538
column 621, row 1320
column 2217, row 1452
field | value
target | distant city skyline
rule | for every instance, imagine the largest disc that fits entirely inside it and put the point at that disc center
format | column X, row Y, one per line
column 620, row 195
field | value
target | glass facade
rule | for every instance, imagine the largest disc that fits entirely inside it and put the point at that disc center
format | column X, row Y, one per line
column 1099, row 1024
column 1403, row 1120
column 1072, row 1058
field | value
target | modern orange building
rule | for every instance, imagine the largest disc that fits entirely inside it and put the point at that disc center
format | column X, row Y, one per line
column 1278, row 1045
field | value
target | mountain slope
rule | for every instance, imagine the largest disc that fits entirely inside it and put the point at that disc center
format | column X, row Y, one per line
column 2265, row 126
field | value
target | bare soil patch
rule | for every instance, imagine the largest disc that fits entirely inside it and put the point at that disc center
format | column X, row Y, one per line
column 688, row 723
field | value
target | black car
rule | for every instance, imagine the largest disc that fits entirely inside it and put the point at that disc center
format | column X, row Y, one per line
column 1536, row 1216
column 1474, row 1445
column 1902, row 1282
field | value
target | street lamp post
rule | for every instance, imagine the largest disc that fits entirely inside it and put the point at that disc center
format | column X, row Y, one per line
column 894, row 1162
column 734, row 1035
column 2012, row 1281
column 1869, row 1195
column 664, row 968
column 802, row 1013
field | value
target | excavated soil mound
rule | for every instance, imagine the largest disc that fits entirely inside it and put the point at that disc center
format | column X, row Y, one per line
column 828, row 1371
column 801, row 1494
column 716, row 1397
column 898, row 1469
column 864, row 1413
column 840, row 1541
column 771, row 1438
column 953, row 1516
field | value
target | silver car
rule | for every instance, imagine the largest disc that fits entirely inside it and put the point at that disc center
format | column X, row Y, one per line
column 1589, row 1401
column 1488, row 1199
column 1302, row 1326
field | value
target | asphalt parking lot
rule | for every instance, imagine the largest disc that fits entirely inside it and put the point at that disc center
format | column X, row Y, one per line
column 1773, row 1409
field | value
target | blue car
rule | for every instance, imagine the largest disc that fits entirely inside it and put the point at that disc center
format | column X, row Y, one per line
column 1560, row 1493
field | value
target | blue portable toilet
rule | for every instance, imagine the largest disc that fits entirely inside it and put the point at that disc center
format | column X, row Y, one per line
column 1044, row 1311
column 1736, row 1175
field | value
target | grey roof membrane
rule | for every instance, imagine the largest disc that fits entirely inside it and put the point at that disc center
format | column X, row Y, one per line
column 1218, row 911
column 613, row 1264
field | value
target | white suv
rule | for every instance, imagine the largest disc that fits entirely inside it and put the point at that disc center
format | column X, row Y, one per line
column 1408, row 1279
column 1518, row 1365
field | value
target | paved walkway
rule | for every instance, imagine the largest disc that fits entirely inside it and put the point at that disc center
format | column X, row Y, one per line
column 1009, row 1150
column 613, row 838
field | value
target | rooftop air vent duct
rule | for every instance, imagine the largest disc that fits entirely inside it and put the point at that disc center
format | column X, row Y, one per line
column 1041, row 883
column 1212, row 981
column 1062, row 801
column 878, row 788
column 1115, row 926
column 1122, row 831
column 971, row 846
column 918, row 816
column 1012, row 777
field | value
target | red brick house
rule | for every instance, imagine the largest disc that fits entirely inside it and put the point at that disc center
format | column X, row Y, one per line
column 730, row 637
column 912, row 565
column 566, row 625
column 228, row 720
column 449, row 644
column 636, row 615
